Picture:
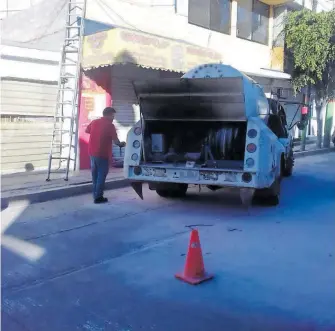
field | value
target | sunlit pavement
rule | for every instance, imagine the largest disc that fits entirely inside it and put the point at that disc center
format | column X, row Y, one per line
column 73, row 265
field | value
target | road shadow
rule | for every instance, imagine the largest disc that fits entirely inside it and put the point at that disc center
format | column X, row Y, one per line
column 299, row 192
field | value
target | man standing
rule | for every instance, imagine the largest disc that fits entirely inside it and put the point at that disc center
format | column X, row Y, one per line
column 102, row 134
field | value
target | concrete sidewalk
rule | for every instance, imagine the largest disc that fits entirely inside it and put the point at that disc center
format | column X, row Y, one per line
column 310, row 148
column 34, row 187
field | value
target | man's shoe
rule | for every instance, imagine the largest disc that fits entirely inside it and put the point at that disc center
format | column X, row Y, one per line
column 100, row 200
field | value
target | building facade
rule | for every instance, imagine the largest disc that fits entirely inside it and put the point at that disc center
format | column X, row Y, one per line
column 128, row 40
column 241, row 31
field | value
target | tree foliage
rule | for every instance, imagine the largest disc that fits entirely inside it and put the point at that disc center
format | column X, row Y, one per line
column 310, row 38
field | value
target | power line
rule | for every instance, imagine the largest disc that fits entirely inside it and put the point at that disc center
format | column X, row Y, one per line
column 103, row 5
column 56, row 11
column 146, row 4
column 56, row 16
column 43, row 36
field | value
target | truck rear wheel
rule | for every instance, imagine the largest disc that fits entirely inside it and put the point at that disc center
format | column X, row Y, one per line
column 288, row 166
column 178, row 191
column 270, row 196
column 273, row 193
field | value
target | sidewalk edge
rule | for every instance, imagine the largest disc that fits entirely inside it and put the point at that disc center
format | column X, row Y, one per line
column 60, row 193
column 298, row 155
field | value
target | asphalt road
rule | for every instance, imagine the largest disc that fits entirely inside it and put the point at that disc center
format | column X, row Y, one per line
column 71, row 265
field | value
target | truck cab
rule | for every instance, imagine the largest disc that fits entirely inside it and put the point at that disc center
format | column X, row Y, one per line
column 214, row 127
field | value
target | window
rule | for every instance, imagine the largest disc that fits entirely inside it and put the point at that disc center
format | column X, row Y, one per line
column 210, row 14
column 253, row 20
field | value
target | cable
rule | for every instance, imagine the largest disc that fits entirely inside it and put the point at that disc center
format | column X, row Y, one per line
column 144, row 4
column 103, row 5
column 43, row 36
column 56, row 16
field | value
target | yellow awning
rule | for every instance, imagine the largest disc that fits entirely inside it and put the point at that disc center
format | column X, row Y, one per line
column 120, row 45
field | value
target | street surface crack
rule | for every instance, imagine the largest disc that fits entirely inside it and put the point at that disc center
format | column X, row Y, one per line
column 141, row 248
column 49, row 234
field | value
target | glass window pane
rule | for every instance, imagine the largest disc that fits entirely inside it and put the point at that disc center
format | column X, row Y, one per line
column 244, row 19
column 253, row 21
column 220, row 15
column 260, row 27
column 199, row 13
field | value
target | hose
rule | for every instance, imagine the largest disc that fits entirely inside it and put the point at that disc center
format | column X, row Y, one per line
column 222, row 142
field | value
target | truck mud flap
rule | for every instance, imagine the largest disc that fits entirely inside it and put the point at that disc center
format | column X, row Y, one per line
column 246, row 195
column 137, row 186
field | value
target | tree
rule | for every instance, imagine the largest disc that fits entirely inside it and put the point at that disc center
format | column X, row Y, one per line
column 310, row 38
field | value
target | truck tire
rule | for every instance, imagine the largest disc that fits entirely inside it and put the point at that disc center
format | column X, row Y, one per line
column 270, row 196
column 288, row 165
column 178, row 192
column 274, row 193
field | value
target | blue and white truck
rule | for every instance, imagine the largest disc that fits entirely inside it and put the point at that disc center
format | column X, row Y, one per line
column 214, row 127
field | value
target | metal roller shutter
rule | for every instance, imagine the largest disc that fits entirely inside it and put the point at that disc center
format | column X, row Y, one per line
column 26, row 124
column 124, row 101
column 124, row 98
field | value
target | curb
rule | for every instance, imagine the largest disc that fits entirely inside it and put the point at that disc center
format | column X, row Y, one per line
column 298, row 155
column 60, row 193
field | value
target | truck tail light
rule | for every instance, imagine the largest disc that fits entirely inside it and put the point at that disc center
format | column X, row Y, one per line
column 250, row 162
column 136, row 144
column 251, row 148
column 138, row 130
column 134, row 157
column 252, row 133
column 137, row 171
column 246, row 177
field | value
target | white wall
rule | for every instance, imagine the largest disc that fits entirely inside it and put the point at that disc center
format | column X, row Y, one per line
column 325, row 5
column 321, row 5
column 10, row 7
column 28, row 63
column 159, row 17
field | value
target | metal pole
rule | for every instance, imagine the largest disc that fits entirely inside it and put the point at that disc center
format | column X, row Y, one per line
column 306, row 98
column 328, row 124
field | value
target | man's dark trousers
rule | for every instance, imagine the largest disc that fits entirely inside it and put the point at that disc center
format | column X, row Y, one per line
column 99, row 168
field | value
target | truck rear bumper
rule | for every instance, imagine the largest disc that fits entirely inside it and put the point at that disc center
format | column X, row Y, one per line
column 216, row 177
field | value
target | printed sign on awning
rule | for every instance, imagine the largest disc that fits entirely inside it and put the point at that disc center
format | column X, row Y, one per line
column 126, row 46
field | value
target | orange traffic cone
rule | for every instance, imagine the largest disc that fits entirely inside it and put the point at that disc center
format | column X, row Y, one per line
column 194, row 271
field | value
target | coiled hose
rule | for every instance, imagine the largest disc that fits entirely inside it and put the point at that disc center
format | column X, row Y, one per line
column 224, row 143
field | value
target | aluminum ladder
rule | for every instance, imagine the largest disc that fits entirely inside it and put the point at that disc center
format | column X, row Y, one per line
column 64, row 142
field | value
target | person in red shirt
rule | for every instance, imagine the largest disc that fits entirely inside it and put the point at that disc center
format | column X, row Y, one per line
column 102, row 134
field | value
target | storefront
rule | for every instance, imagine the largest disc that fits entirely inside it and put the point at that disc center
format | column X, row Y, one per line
column 112, row 60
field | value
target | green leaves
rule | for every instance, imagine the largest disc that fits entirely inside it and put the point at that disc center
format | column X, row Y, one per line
column 310, row 39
